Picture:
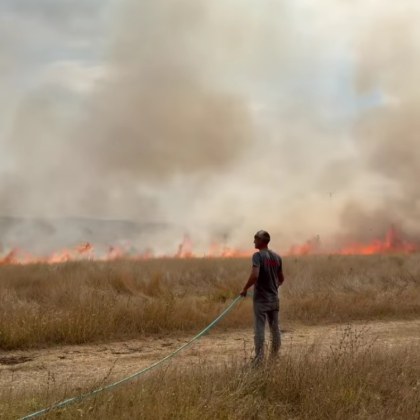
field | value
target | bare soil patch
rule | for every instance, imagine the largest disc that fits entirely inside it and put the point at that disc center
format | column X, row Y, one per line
column 76, row 367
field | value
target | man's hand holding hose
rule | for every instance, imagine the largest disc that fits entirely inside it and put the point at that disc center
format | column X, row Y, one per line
column 251, row 280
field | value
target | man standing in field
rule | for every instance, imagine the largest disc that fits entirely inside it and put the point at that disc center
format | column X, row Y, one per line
column 267, row 276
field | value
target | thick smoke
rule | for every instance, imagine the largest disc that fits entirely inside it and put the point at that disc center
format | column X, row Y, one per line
column 213, row 119
column 155, row 116
column 387, row 136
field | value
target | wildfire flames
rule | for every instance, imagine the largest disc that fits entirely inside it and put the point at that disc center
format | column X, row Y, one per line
column 391, row 243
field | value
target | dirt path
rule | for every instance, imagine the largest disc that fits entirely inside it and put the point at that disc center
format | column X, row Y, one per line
column 75, row 367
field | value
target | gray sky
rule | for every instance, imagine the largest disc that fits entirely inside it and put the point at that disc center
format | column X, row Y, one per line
column 219, row 119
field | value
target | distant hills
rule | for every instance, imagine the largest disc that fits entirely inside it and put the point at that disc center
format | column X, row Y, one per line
column 37, row 234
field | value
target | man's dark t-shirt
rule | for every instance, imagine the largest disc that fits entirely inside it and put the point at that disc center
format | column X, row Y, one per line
column 266, row 287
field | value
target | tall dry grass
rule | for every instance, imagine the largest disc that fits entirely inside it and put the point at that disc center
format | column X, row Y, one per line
column 80, row 302
column 354, row 379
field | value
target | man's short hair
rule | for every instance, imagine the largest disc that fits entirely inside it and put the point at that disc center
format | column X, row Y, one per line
column 264, row 235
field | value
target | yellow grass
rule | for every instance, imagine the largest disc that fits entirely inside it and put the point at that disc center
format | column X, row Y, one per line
column 82, row 302
column 354, row 379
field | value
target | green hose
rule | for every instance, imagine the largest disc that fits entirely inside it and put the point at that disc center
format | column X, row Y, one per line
column 135, row 375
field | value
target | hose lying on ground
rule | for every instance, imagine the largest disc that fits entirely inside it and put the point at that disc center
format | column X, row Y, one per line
column 135, row 375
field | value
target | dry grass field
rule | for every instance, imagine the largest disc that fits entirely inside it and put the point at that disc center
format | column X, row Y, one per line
column 83, row 302
column 46, row 309
column 352, row 376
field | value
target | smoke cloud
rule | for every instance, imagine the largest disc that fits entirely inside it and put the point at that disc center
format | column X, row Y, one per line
column 214, row 120
column 156, row 116
column 386, row 136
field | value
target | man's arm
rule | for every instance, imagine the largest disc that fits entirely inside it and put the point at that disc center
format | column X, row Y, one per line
column 253, row 277
column 280, row 273
column 281, row 276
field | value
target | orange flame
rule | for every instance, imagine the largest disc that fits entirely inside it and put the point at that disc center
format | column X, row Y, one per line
column 392, row 243
column 185, row 248
column 86, row 252
column 310, row 247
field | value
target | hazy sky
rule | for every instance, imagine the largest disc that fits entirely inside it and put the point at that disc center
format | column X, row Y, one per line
column 294, row 116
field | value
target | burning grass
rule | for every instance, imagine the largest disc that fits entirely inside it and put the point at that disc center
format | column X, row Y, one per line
column 394, row 242
column 353, row 379
column 82, row 302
